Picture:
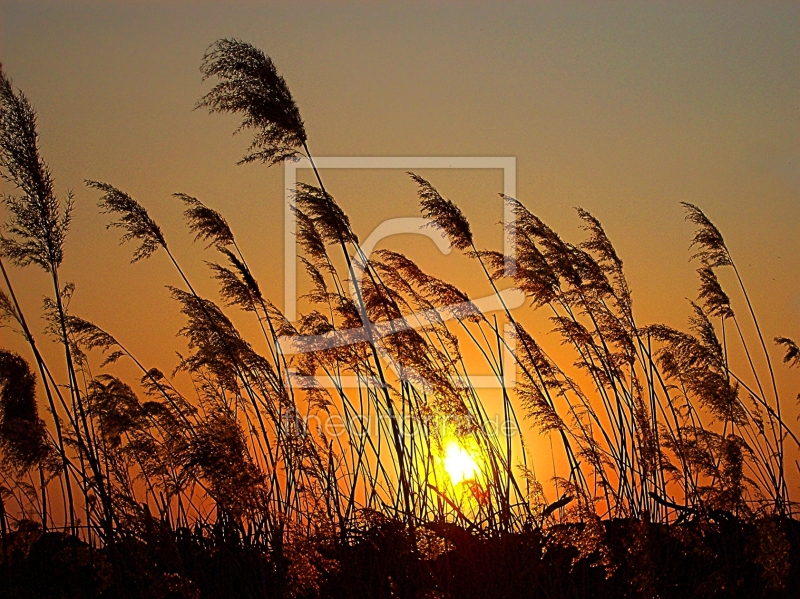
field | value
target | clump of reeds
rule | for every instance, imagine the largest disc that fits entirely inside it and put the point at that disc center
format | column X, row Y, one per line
column 654, row 423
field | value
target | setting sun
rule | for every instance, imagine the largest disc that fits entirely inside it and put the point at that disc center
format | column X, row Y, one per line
column 458, row 464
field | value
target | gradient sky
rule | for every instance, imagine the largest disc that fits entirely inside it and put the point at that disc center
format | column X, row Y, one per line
column 625, row 109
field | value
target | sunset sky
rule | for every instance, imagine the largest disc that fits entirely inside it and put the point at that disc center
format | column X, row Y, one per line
column 625, row 109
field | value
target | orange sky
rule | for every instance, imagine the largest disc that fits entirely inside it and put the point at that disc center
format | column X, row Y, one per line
column 625, row 109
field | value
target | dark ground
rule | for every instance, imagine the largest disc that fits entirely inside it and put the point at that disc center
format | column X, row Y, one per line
column 716, row 557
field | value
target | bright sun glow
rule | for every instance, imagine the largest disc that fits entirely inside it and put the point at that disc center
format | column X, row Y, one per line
column 458, row 463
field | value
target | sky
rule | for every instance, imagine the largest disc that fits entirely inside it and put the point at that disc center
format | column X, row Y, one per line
column 625, row 109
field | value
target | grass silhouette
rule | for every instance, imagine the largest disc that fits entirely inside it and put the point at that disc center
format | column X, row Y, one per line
column 675, row 480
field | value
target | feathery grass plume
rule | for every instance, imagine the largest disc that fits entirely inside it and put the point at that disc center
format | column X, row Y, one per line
column 792, row 356
column 573, row 331
column 233, row 290
column 721, row 459
column 403, row 266
column 434, row 289
column 319, row 294
column 598, row 241
column 615, row 331
column 115, row 407
column 208, row 225
column 56, row 314
column 585, row 533
column 443, row 214
column 532, row 273
column 707, row 335
column 646, row 432
column 496, row 262
column 348, row 312
column 591, row 274
column 699, row 364
column 37, row 224
column 716, row 301
column 251, row 86
column 87, row 335
column 244, row 272
column 537, row 407
column 316, row 354
column 711, row 248
column 219, row 355
column 169, row 461
column 400, row 282
column 535, row 495
column 238, row 287
column 600, row 245
column 133, row 219
column 219, row 450
column 23, row 436
column 540, row 375
column 731, row 495
column 282, row 325
column 311, row 240
column 156, row 385
column 558, row 255
column 380, row 301
column 215, row 343
column 330, row 222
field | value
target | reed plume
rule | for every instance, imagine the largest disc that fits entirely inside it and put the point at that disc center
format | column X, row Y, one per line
column 443, row 214
column 713, row 296
column 792, row 355
column 133, row 220
column 251, row 86
column 710, row 246
column 207, row 224
column 38, row 226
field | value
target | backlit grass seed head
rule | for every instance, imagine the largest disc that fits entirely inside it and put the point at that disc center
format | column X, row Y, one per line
column 600, row 246
column 311, row 240
column 208, row 225
column 116, row 408
column 320, row 293
column 716, row 301
column 233, row 290
column 7, row 310
column 427, row 290
column 443, row 214
column 219, row 450
column 133, row 219
column 708, row 241
column 698, row 363
column 792, row 355
column 558, row 255
column 249, row 85
column 242, row 271
column 37, row 227
column 330, row 222
column 598, row 241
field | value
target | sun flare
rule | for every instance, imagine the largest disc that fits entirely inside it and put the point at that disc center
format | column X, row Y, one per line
column 458, row 463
